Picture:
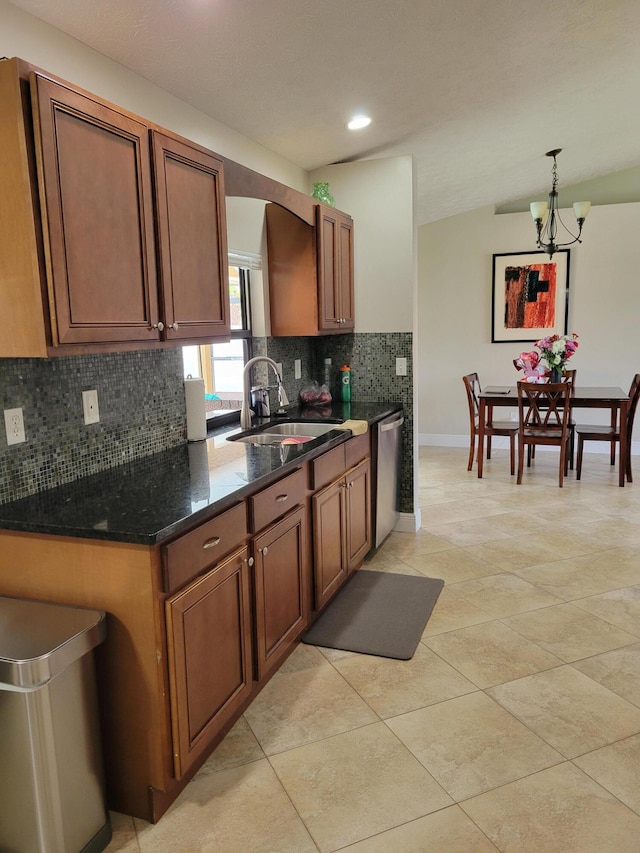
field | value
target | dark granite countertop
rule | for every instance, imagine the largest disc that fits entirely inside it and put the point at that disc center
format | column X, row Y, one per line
column 159, row 496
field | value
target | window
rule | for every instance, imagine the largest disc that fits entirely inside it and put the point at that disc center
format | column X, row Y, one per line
column 221, row 365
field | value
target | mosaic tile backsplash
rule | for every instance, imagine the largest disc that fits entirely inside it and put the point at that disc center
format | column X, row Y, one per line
column 141, row 404
column 142, row 407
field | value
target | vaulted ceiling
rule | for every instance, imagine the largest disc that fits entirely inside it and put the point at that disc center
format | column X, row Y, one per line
column 476, row 90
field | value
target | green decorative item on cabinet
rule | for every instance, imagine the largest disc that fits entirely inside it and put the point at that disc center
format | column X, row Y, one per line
column 321, row 193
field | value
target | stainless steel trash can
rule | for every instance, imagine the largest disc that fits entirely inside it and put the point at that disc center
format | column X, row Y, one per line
column 51, row 780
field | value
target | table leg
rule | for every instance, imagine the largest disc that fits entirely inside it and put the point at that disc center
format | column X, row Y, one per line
column 481, row 423
column 624, row 449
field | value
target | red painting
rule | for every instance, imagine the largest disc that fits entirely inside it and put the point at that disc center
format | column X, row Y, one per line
column 530, row 296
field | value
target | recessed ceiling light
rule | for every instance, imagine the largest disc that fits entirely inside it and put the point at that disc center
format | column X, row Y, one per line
column 358, row 122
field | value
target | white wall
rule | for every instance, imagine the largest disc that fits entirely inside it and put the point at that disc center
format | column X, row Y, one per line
column 378, row 194
column 454, row 308
column 34, row 41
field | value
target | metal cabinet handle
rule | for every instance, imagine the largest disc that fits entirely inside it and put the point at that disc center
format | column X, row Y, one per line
column 264, row 550
column 211, row 543
column 281, row 498
column 159, row 326
column 250, row 561
column 174, row 326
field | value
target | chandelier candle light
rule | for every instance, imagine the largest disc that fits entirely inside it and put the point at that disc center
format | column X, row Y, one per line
column 546, row 215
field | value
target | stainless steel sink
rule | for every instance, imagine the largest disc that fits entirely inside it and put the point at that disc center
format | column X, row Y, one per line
column 300, row 429
column 276, row 433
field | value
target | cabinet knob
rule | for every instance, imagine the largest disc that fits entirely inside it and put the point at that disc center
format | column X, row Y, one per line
column 264, row 550
column 159, row 326
column 250, row 561
column 350, row 485
column 174, row 326
column 211, row 543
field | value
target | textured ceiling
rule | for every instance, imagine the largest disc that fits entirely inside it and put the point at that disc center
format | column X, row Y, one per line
column 475, row 90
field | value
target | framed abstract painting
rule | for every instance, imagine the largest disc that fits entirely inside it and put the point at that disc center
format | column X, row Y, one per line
column 530, row 296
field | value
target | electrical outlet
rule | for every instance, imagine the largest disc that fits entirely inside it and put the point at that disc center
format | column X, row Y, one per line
column 401, row 366
column 14, row 426
column 297, row 367
column 90, row 407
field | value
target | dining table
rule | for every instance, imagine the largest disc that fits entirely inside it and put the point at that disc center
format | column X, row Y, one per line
column 615, row 399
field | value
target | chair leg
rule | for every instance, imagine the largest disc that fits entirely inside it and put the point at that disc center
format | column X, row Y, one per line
column 562, row 464
column 572, row 442
column 613, row 453
column 520, row 461
column 472, row 449
column 579, row 459
column 512, row 452
column 488, row 447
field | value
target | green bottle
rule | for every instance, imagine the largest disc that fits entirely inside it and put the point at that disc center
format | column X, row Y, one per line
column 345, row 384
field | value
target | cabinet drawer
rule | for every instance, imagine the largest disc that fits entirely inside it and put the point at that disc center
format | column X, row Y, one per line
column 189, row 555
column 356, row 449
column 328, row 467
column 278, row 499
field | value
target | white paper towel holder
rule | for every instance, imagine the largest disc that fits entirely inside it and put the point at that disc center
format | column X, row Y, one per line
column 196, row 409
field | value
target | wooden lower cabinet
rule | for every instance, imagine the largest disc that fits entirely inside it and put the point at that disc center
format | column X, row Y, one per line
column 281, row 573
column 341, row 529
column 209, row 642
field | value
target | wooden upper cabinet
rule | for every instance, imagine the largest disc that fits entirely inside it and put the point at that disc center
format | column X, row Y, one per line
column 95, row 189
column 192, row 246
column 112, row 230
column 335, row 269
column 310, row 272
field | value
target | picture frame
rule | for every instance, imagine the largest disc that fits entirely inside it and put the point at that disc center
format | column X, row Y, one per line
column 529, row 296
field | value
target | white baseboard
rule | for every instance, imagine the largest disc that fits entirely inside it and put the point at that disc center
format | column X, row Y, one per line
column 502, row 443
column 408, row 522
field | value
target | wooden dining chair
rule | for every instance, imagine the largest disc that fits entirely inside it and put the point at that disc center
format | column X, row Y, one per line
column 589, row 432
column 543, row 419
column 567, row 376
column 491, row 428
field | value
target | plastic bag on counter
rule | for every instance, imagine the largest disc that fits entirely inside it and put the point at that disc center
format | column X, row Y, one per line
column 315, row 395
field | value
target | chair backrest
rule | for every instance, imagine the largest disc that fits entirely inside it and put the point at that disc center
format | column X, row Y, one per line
column 544, row 408
column 472, row 386
column 634, row 396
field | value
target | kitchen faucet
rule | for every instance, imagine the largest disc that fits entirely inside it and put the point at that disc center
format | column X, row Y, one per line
column 245, row 413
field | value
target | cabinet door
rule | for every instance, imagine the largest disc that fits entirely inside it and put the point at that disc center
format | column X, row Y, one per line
column 210, row 662
column 329, row 533
column 329, row 301
column 358, row 514
column 345, row 262
column 95, row 187
column 190, row 207
column 281, row 578
column 335, row 270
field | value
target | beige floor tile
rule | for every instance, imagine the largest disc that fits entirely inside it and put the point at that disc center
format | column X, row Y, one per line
column 460, row 511
column 332, row 655
column 617, row 671
column 580, row 577
column 398, row 567
column 452, row 612
column 238, row 747
column 446, row 831
column 303, row 657
column 615, row 767
column 401, row 545
column 452, row 566
column 124, row 839
column 244, row 810
column 352, row 786
column 490, row 653
column 472, row 532
column 562, row 542
column 471, row 744
column 569, row 710
column 503, row 594
column 517, row 552
column 620, row 607
column 393, row 687
column 299, row 707
column 611, row 531
column 568, row 632
column 559, row 810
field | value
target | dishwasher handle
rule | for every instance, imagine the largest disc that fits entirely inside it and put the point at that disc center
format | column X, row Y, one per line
column 393, row 425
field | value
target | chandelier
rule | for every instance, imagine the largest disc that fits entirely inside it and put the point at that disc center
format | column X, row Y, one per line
column 546, row 215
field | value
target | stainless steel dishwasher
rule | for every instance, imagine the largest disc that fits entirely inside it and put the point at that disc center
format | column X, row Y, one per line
column 387, row 437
